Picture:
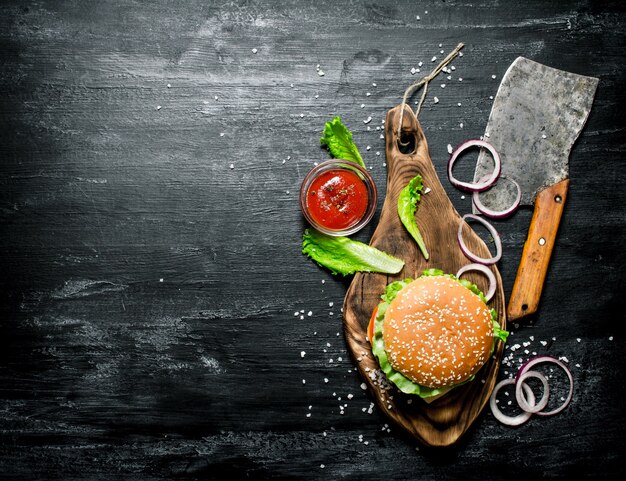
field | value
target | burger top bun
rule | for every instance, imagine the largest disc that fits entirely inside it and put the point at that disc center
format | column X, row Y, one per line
column 437, row 332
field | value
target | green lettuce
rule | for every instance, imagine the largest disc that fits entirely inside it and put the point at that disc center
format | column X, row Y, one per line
column 498, row 332
column 407, row 205
column 346, row 256
column 338, row 139
column 402, row 382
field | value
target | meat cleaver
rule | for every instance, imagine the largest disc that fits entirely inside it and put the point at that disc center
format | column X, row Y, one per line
column 535, row 119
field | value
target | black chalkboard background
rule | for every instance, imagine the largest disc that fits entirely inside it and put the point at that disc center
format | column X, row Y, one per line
column 157, row 319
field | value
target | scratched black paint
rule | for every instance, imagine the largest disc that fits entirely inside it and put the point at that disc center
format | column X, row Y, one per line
column 155, row 305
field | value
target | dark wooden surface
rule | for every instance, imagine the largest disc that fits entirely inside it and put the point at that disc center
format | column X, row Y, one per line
column 150, row 236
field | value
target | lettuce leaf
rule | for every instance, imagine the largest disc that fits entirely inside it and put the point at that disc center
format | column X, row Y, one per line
column 345, row 256
column 498, row 332
column 392, row 289
column 407, row 205
column 338, row 139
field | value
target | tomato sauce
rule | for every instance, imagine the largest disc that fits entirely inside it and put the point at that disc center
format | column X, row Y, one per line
column 337, row 199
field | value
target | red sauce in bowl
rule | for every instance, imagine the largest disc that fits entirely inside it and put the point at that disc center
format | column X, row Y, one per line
column 337, row 199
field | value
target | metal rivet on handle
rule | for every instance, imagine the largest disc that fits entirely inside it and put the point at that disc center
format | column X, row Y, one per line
column 558, row 199
column 542, row 241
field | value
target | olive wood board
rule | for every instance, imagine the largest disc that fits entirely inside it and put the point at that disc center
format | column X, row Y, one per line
column 442, row 421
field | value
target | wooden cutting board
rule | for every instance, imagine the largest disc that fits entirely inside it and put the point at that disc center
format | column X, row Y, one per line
column 443, row 421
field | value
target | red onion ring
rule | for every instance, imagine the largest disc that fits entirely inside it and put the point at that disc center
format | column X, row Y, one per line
column 474, row 186
column 498, row 214
column 503, row 418
column 485, row 270
column 494, row 234
column 549, row 359
column 519, row 383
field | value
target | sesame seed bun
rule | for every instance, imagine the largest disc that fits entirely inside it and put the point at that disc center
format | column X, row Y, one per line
column 437, row 332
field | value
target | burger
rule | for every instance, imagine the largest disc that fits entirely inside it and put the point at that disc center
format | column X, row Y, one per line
column 433, row 333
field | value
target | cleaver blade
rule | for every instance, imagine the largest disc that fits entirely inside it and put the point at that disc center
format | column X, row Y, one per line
column 536, row 117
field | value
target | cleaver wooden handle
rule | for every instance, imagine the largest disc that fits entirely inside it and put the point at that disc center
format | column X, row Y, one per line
column 533, row 266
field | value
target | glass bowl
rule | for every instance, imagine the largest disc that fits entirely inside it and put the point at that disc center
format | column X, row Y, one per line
column 338, row 197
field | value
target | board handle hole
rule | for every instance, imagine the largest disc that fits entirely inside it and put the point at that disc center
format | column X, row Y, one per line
column 407, row 143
